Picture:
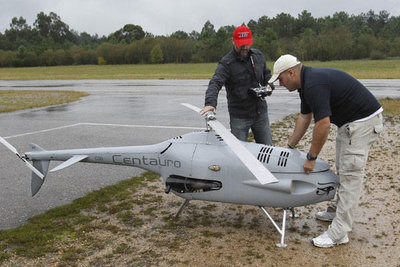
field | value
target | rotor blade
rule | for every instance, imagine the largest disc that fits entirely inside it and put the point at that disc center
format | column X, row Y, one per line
column 263, row 175
column 38, row 173
column 194, row 108
column 209, row 115
column 9, row 146
column 14, row 150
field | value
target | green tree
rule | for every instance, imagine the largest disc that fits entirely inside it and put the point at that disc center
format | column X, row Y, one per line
column 194, row 35
column 88, row 41
column 31, row 59
column 395, row 48
column 7, row 58
column 127, row 34
column 19, row 34
column 131, row 55
column 60, row 57
column 206, row 42
column 268, row 43
column 376, row 21
column 156, row 54
column 105, row 51
column 335, row 44
column 259, row 27
column 220, row 44
column 364, row 45
column 19, row 24
column 139, row 51
column 89, row 57
column 307, row 45
column 284, row 25
column 43, row 24
column 180, row 35
column 77, row 54
column 20, row 56
column 392, row 29
column 305, row 21
column 51, row 26
column 48, row 57
column 144, row 47
column 340, row 18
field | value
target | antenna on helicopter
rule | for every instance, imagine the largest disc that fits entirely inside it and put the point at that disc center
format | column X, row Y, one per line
column 263, row 175
column 14, row 150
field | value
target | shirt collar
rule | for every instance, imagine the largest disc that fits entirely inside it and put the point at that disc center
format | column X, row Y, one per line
column 302, row 80
column 243, row 59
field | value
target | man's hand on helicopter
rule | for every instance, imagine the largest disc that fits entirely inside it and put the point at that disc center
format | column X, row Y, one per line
column 320, row 134
column 206, row 109
column 308, row 166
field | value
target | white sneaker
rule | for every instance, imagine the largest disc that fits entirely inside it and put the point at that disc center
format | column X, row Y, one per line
column 324, row 241
column 326, row 216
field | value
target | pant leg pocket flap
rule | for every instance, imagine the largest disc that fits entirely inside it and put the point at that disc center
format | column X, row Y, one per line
column 378, row 128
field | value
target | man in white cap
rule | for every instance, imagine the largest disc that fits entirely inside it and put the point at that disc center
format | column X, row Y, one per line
column 240, row 70
column 333, row 96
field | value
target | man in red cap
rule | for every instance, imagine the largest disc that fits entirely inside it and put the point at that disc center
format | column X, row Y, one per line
column 242, row 69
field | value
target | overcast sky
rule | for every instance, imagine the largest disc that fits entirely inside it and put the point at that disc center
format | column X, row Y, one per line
column 163, row 17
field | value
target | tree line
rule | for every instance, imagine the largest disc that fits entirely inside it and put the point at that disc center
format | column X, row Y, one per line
column 50, row 41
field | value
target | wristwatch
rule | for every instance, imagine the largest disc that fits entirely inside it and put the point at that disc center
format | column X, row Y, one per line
column 310, row 157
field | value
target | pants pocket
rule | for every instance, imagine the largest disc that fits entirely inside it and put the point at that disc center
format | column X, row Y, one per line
column 378, row 128
column 353, row 162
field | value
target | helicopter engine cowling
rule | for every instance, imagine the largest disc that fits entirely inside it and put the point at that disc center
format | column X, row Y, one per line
column 181, row 184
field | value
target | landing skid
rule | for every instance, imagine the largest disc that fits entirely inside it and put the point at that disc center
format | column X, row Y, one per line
column 181, row 208
column 281, row 231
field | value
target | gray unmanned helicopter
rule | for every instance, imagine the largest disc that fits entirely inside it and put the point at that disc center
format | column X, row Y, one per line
column 210, row 165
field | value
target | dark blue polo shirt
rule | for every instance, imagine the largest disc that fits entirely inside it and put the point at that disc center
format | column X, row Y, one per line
column 334, row 93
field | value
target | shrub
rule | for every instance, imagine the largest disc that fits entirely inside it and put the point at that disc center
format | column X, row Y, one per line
column 101, row 61
column 7, row 58
column 156, row 54
column 376, row 54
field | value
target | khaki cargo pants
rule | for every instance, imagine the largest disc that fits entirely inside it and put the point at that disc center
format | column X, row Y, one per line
column 353, row 142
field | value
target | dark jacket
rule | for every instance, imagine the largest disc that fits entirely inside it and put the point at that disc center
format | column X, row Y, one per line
column 238, row 77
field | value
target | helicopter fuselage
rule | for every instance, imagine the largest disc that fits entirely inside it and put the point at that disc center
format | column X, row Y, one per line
column 201, row 166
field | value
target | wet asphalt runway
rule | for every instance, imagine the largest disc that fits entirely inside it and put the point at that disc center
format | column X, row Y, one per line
column 116, row 113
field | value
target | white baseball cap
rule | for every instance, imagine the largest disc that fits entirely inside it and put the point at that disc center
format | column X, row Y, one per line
column 282, row 64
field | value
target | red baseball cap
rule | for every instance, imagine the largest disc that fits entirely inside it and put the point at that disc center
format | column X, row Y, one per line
column 242, row 36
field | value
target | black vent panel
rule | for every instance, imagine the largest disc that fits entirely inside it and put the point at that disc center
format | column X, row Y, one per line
column 283, row 157
column 219, row 137
column 265, row 154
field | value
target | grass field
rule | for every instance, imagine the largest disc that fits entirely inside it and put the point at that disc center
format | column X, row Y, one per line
column 11, row 100
column 141, row 71
column 361, row 69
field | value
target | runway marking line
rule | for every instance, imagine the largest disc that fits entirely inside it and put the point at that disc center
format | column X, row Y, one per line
column 102, row 124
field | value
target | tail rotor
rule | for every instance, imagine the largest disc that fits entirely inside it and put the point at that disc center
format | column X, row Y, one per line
column 39, row 168
column 14, row 150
